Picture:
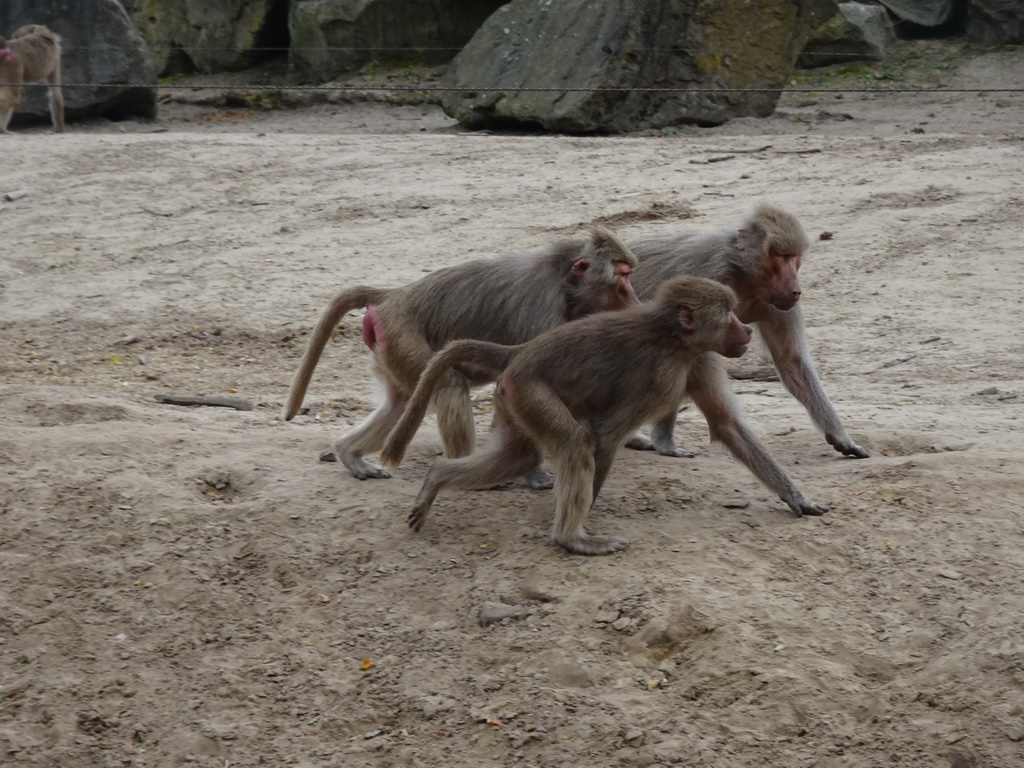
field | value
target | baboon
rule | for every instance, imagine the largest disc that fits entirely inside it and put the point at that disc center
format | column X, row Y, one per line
column 577, row 391
column 759, row 260
column 31, row 55
column 508, row 300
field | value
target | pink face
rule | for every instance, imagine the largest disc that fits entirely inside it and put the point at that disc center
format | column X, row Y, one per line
column 737, row 337
column 6, row 54
column 777, row 282
column 620, row 292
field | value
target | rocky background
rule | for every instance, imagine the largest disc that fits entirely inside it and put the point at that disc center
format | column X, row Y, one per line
column 592, row 66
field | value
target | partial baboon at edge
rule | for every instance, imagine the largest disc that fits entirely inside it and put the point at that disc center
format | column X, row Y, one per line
column 759, row 260
column 577, row 391
column 508, row 300
column 31, row 55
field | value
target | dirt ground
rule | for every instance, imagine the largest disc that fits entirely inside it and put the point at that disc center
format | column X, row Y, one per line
column 191, row 586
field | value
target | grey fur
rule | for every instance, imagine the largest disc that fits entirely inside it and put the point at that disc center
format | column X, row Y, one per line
column 507, row 300
column 729, row 256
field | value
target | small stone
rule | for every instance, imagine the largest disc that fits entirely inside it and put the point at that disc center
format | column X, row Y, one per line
column 16, row 195
column 621, row 623
column 567, row 674
column 900, row 359
column 736, row 504
column 948, row 446
column 633, row 736
column 491, row 612
column 531, row 590
column 949, row 574
column 988, row 391
column 960, row 759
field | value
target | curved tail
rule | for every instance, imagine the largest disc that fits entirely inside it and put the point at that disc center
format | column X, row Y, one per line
column 346, row 301
column 481, row 355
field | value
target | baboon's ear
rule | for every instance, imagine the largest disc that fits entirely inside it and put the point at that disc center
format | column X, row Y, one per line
column 686, row 318
column 580, row 267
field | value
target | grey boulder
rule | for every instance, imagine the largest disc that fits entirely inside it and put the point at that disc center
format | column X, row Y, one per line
column 330, row 37
column 858, row 32
column 623, row 65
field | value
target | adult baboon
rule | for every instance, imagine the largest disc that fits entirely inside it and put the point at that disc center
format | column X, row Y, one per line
column 508, row 300
column 32, row 54
column 759, row 260
column 577, row 391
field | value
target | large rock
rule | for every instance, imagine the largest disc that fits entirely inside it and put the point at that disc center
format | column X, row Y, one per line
column 330, row 37
column 985, row 21
column 857, row 32
column 602, row 48
column 101, row 45
column 996, row 21
column 213, row 35
column 927, row 13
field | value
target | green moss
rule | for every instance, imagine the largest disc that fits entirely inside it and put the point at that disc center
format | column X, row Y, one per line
column 400, row 63
column 916, row 63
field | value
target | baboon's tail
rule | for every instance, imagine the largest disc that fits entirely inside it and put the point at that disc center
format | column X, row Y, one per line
column 346, row 301
column 481, row 355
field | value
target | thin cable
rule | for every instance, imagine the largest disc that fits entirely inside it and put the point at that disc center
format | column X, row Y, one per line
column 523, row 89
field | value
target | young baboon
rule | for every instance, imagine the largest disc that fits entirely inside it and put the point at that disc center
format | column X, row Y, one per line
column 576, row 392
column 759, row 260
column 507, row 300
column 32, row 54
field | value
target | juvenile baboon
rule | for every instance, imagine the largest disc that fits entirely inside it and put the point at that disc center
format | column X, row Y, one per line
column 31, row 55
column 759, row 260
column 576, row 392
column 507, row 300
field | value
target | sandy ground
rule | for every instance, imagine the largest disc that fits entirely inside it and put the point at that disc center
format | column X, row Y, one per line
column 191, row 586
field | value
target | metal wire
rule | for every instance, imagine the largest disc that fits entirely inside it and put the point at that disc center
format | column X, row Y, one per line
column 417, row 49
column 521, row 89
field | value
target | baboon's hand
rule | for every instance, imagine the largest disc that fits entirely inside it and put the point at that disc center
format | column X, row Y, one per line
column 583, row 544
column 674, row 451
column 640, row 442
column 846, row 446
column 804, row 506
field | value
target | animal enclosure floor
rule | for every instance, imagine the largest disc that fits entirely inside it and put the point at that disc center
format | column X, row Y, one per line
column 192, row 586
